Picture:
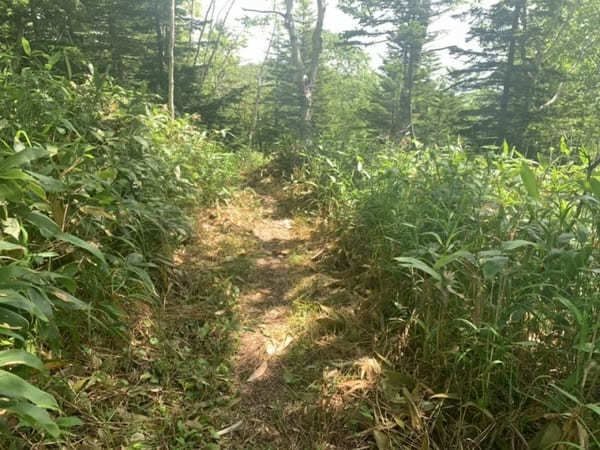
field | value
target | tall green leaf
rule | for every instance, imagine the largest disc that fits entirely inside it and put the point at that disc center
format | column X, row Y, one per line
column 26, row 46
column 530, row 182
column 20, row 357
column 413, row 263
column 33, row 416
column 26, row 156
column 15, row 387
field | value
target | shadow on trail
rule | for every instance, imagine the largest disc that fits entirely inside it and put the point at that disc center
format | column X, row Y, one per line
column 298, row 366
column 245, row 300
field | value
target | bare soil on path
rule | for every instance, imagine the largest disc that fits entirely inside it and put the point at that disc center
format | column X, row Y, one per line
column 298, row 379
column 255, row 344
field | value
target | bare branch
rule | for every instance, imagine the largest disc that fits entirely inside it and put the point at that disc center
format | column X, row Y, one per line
column 262, row 11
column 553, row 99
column 439, row 49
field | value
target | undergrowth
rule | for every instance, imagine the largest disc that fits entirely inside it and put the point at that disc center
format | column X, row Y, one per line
column 95, row 182
column 483, row 268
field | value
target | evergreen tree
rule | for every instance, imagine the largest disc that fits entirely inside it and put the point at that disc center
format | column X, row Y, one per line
column 405, row 26
column 291, row 108
column 520, row 67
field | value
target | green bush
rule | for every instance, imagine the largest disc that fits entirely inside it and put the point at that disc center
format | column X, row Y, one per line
column 488, row 267
column 94, row 184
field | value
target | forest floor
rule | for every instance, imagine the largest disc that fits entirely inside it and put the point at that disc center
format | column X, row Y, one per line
column 256, row 346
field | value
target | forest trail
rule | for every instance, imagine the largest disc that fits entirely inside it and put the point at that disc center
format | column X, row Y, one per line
column 255, row 345
column 287, row 353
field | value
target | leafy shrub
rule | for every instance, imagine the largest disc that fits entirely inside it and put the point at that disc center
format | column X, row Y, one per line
column 94, row 184
column 487, row 265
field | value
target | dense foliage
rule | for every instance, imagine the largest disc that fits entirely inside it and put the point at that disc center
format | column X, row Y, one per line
column 486, row 270
column 464, row 203
column 94, row 184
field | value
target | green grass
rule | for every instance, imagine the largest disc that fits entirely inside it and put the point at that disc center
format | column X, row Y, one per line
column 482, row 269
column 95, row 187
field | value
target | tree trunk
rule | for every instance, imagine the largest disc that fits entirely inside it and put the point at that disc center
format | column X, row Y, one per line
column 408, row 83
column 172, row 63
column 113, row 35
column 207, row 22
column 192, row 18
column 259, row 85
column 508, row 76
column 160, row 48
column 306, row 73
column 306, row 77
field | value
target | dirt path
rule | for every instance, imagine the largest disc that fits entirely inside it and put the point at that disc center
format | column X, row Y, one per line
column 254, row 346
column 291, row 359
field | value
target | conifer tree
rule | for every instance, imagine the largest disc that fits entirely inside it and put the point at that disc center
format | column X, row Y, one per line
column 404, row 25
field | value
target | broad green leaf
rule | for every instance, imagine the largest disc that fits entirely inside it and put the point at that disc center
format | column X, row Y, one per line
column 566, row 394
column 12, row 319
column 530, row 182
column 5, row 331
column 143, row 142
column 445, row 260
column 74, row 240
column 52, row 60
column 587, row 347
column 107, row 174
column 15, row 387
column 16, row 174
column 513, row 245
column 565, row 150
column 10, row 191
column 9, row 247
column 69, row 125
column 48, row 183
column 144, row 278
column 72, row 302
column 39, row 298
column 595, row 407
column 68, row 64
column 595, row 186
column 34, row 416
column 413, row 263
column 485, row 254
column 20, row 357
column 69, row 422
column 14, row 299
column 26, row 156
column 47, row 226
column 26, row 46
column 574, row 310
column 492, row 266
column 548, row 437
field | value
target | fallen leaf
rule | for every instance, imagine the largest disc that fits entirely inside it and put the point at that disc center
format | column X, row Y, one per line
column 383, row 442
column 230, row 429
column 258, row 373
column 274, row 349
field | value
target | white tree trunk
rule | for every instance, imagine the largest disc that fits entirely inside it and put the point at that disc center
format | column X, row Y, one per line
column 172, row 63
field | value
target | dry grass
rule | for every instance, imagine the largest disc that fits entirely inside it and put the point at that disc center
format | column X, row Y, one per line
column 247, row 299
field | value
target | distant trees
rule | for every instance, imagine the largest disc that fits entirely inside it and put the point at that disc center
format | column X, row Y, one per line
column 529, row 58
column 404, row 25
column 304, row 45
column 530, row 76
column 131, row 40
column 172, row 35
